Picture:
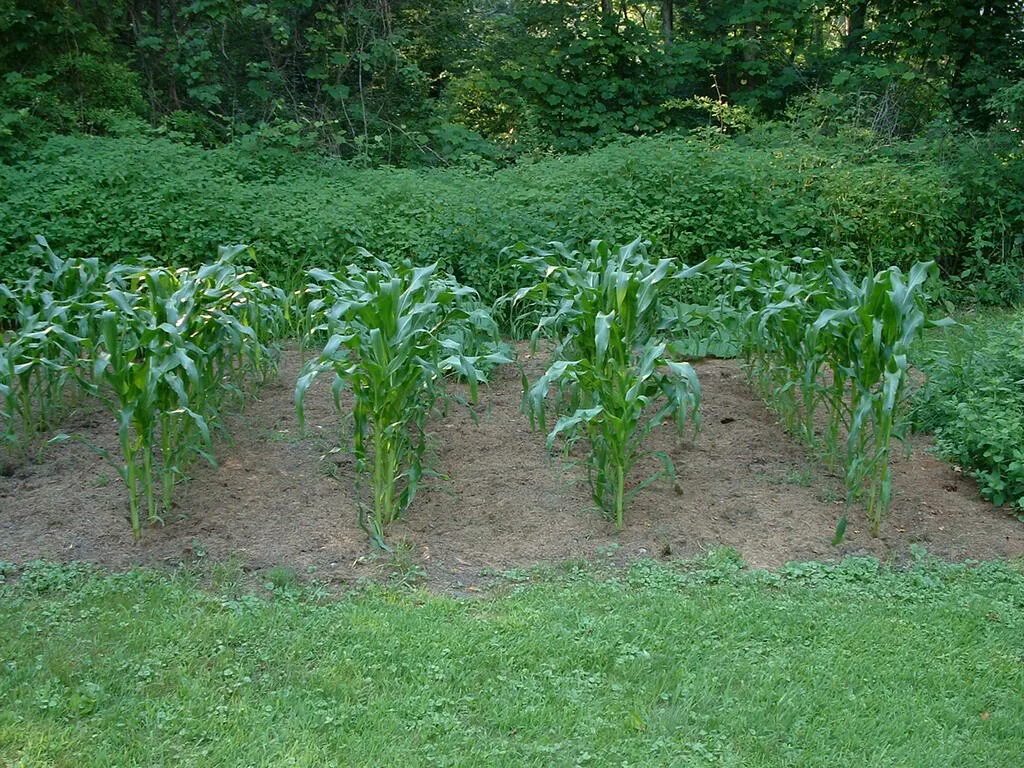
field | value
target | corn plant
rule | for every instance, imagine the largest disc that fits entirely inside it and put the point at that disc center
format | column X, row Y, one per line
column 612, row 370
column 145, row 369
column 37, row 362
column 393, row 334
column 819, row 341
column 8, row 412
column 173, row 344
column 868, row 338
column 781, row 299
column 162, row 348
column 51, row 325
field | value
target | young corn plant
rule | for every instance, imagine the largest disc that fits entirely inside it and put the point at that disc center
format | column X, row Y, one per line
column 36, row 365
column 867, row 338
column 51, row 326
column 612, row 370
column 145, row 370
column 161, row 347
column 780, row 299
column 817, row 341
column 393, row 334
column 173, row 344
column 9, row 400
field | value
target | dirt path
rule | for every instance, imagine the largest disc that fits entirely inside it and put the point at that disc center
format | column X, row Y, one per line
column 278, row 498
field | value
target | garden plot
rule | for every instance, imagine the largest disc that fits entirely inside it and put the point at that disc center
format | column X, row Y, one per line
column 499, row 501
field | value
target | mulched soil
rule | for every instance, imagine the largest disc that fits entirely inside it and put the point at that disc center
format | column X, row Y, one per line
column 500, row 501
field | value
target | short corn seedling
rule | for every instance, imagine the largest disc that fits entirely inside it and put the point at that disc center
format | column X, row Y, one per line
column 393, row 333
column 612, row 369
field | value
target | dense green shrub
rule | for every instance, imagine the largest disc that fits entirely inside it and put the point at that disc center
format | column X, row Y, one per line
column 392, row 82
column 974, row 402
column 990, row 173
column 114, row 198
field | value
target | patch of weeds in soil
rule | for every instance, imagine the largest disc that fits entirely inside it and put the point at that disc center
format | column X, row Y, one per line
column 289, row 436
column 228, row 577
column 829, row 495
column 803, row 477
column 282, row 582
column 403, row 568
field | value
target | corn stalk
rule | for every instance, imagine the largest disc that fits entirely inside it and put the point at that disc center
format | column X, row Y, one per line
column 162, row 348
column 393, row 334
column 612, row 372
column 818, row 341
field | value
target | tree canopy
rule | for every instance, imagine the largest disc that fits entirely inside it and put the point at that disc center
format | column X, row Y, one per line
column 423, row 80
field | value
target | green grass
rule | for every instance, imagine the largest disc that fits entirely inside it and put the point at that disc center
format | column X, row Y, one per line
column 849, row 665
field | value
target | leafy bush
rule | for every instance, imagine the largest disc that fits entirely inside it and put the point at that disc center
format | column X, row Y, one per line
column 973, row 401
column 115, row 199
column 987, row 267
column 563, row 80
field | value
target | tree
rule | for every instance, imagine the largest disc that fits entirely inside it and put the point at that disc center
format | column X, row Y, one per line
column 855, row 19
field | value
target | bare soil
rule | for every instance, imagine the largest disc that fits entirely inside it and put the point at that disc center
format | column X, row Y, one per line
column 500, row 501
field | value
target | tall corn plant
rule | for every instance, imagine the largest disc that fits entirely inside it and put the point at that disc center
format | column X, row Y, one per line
column 867, row 338
column 51, row 326
column 819, row 341
column 612, row 372
column 173, row 344
column 393, row 333
column 780, row 299
column 145, row 369
column 161, row 347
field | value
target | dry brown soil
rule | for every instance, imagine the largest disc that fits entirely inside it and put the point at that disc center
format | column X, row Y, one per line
column 500, row 501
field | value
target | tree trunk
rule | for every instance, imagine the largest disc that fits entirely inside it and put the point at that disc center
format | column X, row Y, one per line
column 855, row 26
column 751, row 48
column 607, row 8
column 666, row 20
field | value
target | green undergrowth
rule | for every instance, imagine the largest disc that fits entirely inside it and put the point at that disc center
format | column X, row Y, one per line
column 973, row 401
column 117, row 199
column 699, row 664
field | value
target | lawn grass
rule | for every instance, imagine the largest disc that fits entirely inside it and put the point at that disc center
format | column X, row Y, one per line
column 699, row 665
